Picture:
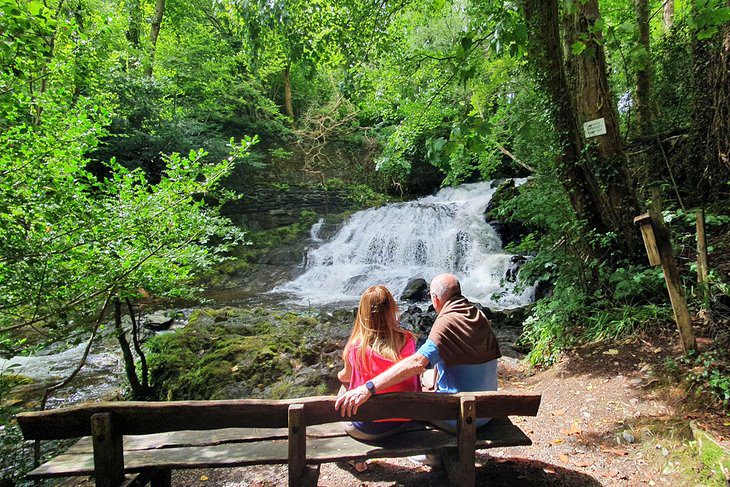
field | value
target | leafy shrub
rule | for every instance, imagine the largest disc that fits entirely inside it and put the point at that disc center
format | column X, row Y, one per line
column 551, row 326
column 707, row 373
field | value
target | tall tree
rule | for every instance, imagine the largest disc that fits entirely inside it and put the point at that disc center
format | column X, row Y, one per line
column 155, row 33
column 644, row 72
column 711, row 90
column 668, row 15
column 547, row 58
column 605, row 152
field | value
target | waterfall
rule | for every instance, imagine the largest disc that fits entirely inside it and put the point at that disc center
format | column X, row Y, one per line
column 391, row 244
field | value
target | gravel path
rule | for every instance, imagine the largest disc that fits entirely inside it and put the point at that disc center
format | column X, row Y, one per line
column 590, row 430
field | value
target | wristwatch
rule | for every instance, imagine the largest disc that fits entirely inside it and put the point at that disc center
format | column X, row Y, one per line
column 370, row 387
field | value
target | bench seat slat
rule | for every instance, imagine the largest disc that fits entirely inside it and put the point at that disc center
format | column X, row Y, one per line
column 211, row 437
column 498, row 433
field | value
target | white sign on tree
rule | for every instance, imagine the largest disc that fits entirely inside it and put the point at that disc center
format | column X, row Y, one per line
column 594, row 128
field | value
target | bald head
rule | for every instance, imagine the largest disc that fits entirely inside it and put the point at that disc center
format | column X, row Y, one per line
column 445, row 286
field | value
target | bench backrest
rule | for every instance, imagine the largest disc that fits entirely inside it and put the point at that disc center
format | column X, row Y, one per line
column 139, row 418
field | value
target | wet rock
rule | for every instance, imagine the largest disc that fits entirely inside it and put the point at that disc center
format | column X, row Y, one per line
column 355, row 282
column 543, row 289
column 159, row 320
column 418, row 321
column 285, row 257
column 517, row 262
column 416, row 290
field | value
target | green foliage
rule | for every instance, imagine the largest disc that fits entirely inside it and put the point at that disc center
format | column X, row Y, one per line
column 614, row 324
column 550, row 328
column 707, row 373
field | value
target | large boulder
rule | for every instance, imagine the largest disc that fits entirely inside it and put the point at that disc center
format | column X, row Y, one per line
column 159, row 320
column 416, row 290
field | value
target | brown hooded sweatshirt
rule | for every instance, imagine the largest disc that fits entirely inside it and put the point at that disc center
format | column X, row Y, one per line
column 463, row 334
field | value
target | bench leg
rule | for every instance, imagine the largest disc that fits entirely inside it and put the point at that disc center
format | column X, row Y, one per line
column 460, row 464
column 163, row 478
column 108, row 451
column 297, row 445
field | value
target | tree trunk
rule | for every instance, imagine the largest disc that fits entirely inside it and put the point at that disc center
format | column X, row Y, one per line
column 547, row 60
column 144, row 370
column 606, row 152
column 668, row 16
column 711, row 109
column 155, row 33
column 129, row 367
column 721, row 121
column 287, row 92
column 644, row 74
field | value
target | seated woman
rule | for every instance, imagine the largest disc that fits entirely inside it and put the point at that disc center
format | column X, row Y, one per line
column 377, row 341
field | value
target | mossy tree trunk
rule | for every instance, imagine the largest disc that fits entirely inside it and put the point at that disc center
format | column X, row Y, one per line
column 644, row 74
column 711, row 106
column 547, row 59
column 605, row 153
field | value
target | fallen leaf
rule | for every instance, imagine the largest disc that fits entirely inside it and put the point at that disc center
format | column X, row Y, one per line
column 583, row 463
column 615, row 451
column 573, row 430
column 564, row 458
column 203, row 478
column 589, row 388
column 559, row 412
column 234, row 368
column 558, row 441
column 611, row 351
column 658, row 350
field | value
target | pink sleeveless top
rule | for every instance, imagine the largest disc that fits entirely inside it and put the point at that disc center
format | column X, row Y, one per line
column 375, row 364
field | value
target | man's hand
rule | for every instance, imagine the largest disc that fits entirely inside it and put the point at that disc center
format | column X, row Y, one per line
column 349, row 403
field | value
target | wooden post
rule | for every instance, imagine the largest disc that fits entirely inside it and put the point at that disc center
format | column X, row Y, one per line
column 466, row 430
column 702, row 282
column 108, row 451
column 647, row 234
column 671, row 275
column 297, row 444
column 163, row 478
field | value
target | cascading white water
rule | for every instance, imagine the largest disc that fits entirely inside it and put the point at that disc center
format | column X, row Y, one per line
column 391, row 244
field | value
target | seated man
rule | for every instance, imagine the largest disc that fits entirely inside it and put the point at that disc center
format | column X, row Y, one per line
column 461, row 346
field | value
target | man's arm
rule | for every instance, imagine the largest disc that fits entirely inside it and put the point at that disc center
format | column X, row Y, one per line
column 349, row 403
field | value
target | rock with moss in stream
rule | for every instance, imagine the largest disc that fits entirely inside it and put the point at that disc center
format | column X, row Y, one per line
column 256, row 353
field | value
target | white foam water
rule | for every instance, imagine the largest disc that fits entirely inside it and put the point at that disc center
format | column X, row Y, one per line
column 391, row 244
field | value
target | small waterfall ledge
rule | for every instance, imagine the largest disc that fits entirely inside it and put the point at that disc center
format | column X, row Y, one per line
column 389, row 245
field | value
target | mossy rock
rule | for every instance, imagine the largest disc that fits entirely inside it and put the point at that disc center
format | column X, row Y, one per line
column 715, row 456
column 506, row 191
column 233, row 352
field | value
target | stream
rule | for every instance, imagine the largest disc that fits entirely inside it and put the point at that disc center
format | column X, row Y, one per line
column 389, row 245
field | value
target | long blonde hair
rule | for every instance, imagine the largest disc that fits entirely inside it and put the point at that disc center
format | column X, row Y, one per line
column 376, row 326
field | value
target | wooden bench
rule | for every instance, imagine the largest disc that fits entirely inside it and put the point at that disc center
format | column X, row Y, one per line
column 150, row 439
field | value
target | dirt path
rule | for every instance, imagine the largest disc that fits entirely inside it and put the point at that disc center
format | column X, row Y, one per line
column 602, row 422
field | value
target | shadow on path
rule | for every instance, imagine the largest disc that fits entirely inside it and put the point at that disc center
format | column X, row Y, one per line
column 495, row 472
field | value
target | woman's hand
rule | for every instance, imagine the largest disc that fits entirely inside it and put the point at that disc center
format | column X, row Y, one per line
column 349, row 403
